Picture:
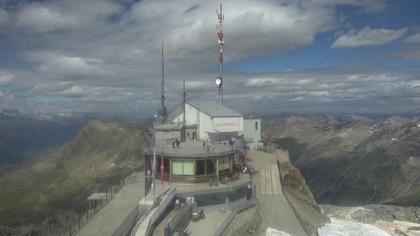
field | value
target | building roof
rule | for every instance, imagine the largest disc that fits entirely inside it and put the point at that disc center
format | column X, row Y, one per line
column 211, row 108
column 175, row 112
column 214, row 109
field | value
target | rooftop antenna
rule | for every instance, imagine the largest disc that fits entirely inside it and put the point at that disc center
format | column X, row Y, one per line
column 219, row 80
column 162, row 92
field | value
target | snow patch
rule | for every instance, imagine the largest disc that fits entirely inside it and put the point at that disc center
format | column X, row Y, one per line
column 349, row 228
column 274, row 232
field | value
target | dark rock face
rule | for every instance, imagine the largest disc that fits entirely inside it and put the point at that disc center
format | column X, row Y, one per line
column 301, row 199
column 353, row 160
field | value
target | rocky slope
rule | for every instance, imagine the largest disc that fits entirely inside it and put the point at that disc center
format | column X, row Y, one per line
column 353, row 160
column 49, row 189
column 301, row 199
column 20, row 134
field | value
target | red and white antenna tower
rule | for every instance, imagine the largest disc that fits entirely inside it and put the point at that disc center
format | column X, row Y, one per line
column 219, row 80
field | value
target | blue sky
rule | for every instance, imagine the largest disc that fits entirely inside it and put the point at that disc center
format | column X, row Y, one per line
column 343, row 56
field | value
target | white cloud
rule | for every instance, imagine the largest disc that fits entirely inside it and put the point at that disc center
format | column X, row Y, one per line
column 368, row 37
column 98, row 94
column 414, row 39
column 49, row 86
column 190, row 84
column 263, row 82
column 372, row 77
column 319, row 93
column 4, row 17
column 6, row 77
column 99, row 55
column 250, row 27
column 64, row 65
column 41, row 18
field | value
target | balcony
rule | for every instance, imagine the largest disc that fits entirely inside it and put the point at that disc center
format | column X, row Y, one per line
column 195, row 149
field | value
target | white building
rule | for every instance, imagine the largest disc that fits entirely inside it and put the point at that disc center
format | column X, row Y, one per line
column 211, row 121
column 252, row 132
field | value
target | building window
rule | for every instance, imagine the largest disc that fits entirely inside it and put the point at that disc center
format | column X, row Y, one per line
column 224, row 163
column 200, row 167
column 177, row 167
column 188, row 167
column 182, row 167
column 210, row 167
column 256, row 125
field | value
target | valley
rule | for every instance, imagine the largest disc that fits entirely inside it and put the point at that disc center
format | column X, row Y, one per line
column 353, row 160
column 49, row 189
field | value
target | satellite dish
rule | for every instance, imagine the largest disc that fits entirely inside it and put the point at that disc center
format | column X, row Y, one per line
column 218, row 81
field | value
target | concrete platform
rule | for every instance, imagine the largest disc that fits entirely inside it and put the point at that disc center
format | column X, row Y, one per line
column 276, row 210
column 107, row 221
column 208, row 226
column 185, row 190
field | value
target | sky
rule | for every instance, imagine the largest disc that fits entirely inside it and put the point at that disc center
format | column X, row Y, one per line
column 302, row 56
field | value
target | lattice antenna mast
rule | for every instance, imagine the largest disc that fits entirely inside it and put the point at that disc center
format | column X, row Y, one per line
column 162, row 92
column 219, row 80
column 184, row 101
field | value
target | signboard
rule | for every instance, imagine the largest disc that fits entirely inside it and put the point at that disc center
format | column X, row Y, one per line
column 223, row 125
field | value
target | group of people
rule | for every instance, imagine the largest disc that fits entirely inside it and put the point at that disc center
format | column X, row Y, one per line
column 176, row 143
column 208, row 145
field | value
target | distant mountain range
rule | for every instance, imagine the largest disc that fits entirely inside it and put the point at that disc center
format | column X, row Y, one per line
column 21, row 133
column 353, row 160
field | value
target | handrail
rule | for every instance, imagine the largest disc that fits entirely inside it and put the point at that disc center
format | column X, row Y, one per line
column 289, row 202
column 148, row 210
column 166, row 202
column 223, row 227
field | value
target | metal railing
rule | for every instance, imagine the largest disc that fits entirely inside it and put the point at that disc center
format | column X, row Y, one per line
column 89, row 213
column 171, row 194
column 227, row 222
column 282, row 181
column 181, row 220
column 164, row 205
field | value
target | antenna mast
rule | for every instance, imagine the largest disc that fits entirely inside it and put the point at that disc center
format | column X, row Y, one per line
column 219, row 80
column 184, row 101
column 162, row 92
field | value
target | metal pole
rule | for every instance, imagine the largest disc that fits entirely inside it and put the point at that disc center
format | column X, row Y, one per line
column 220, row 34
column 154, row 178
column 162, row 168
column 162, row 91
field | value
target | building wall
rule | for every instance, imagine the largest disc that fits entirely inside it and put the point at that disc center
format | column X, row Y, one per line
column 252, row 132
column 206, row 124
column 191, row 115
column 228, row 124
column 166, row 137
column 209, row 124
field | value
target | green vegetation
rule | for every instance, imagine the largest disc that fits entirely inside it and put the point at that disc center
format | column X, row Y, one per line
column 54, row 186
